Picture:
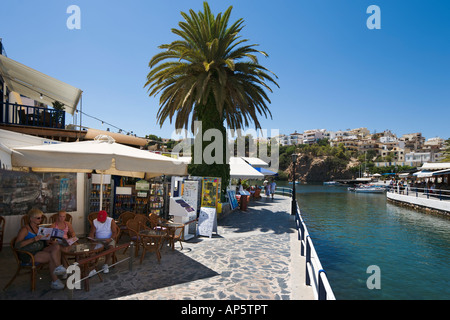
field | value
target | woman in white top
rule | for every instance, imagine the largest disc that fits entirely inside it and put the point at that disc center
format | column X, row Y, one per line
column 104, row 228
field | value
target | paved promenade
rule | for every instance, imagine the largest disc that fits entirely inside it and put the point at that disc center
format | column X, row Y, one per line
column 254, row 256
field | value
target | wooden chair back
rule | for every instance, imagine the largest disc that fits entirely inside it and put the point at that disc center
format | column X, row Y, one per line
column 124, row 217
column 2, row 231
column 175, row 234
column 143, row 219
column 91, row 217
column 26, row 220
column 151, row 244
column 154, row 220
column 54, row 218
column 133, row 227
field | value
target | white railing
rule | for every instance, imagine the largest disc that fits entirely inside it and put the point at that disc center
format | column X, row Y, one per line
column 429, row 193
column 315, row 274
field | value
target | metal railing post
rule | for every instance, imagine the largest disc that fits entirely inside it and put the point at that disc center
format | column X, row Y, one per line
column 308, row 261
column 131, row 253
column 322, row 293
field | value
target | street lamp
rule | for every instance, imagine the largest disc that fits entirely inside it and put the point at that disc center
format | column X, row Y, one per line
column 294, row 200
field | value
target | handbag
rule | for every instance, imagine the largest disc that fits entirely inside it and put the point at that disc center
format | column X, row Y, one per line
column 32, row 248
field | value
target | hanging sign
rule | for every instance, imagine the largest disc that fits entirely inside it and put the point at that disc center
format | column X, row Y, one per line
column 142, row 185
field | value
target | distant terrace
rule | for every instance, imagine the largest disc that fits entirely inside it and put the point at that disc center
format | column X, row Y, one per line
column 17, row 114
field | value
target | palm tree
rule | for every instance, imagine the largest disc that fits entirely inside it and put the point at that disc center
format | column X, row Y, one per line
column 209, row 75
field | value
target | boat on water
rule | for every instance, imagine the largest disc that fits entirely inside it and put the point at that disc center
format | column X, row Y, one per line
column 373, row 189
column 367, row 188
column 331, row 183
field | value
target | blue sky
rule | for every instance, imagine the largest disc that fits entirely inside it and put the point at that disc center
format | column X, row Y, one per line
column 334, row 73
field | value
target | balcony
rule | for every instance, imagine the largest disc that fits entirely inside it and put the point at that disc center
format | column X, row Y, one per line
column 17, row 114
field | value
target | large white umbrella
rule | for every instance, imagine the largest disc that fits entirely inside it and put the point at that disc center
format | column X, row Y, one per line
column 103, row 155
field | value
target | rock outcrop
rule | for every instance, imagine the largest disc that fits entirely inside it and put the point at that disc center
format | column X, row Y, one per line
column 321, row 168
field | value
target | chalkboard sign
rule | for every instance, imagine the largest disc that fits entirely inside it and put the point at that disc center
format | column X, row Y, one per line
column 207, row 222
column 232, row 198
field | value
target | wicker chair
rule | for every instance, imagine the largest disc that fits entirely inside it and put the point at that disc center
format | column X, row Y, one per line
column 54, row 218
column 2, row 231
column 26, row 220
column 134, row 226
column 143, row 219
column 32, row 265
column 122, row 222
column 175, row 234
column 91, row 217
column 151, row 244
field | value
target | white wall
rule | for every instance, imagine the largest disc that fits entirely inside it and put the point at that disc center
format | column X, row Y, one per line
column 9, row 140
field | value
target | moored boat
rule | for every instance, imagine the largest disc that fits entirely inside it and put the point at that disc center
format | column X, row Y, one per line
column 370, row 189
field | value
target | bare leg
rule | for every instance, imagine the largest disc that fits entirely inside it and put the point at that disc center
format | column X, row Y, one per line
column 45, row 257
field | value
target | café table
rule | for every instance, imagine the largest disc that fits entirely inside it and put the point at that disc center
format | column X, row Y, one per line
column 81, row 251
column 172, row 233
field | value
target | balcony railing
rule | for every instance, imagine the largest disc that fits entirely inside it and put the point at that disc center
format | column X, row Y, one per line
column 17, row 114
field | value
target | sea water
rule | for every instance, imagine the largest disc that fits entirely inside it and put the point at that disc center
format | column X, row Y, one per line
column 353, row 231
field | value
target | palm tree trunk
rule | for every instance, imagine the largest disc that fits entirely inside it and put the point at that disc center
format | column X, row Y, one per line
column 211, row 119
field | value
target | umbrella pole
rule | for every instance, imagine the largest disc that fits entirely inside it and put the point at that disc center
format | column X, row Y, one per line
column 101, row 191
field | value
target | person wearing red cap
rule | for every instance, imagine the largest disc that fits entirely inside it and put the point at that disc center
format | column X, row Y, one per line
column 104, row 228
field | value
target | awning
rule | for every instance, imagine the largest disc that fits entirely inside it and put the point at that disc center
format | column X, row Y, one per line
column 239, row 169
column 435, row 166
column 266, row 172
column 441, row 172
column 423, row 174
column 38, row 86
column 255, row 162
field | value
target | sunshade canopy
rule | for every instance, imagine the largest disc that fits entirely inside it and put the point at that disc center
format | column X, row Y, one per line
column 266, row 172
column 38, row 86
column 102, row 155
column 255, row 162
column 239, row 169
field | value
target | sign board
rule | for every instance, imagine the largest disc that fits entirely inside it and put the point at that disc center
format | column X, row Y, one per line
column 232, row 198
column 97, row 178
column 207, row 222
column 142, row 185
column 191, row 193
column 123, row 190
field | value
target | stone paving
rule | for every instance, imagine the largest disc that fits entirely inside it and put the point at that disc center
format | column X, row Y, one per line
column 253, row 256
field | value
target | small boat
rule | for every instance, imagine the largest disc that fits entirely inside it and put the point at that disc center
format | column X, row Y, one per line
column 370, row 189
column 331, row 183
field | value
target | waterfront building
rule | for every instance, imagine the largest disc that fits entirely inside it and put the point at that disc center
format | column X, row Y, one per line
column 312, row 136
column 413, row 141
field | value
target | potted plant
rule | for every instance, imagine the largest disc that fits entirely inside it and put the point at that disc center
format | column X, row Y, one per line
column 59, row 113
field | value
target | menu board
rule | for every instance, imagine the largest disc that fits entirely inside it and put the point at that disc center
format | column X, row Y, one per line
column 207, row 222
column 191, row 193
column 232, row 198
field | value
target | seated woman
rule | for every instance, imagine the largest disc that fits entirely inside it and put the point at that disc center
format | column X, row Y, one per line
column 28, row 240
column 64, row 225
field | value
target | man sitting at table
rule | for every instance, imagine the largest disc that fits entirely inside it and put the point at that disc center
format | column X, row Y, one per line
column 104, row 229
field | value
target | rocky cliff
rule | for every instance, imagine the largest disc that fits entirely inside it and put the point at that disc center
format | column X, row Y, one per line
column 321, row 168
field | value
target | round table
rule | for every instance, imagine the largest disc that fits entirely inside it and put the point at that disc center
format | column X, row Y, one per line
column 81, row 251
